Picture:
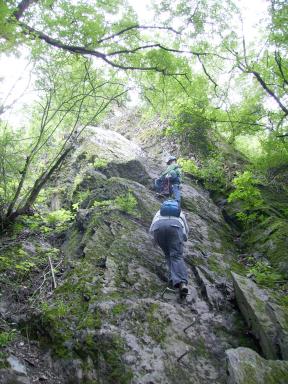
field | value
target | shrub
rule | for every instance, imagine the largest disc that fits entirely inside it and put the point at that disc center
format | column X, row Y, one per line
column 212, row 173
column 6, row 337
column 192, row 127
column 189, row 166
column 59, row 217
column 127, row 203
column 102, row 204
column 249, row 195
column 100, row 163
column 265, row 274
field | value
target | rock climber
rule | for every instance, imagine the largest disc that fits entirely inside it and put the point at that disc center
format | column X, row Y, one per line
column 170, row 179
column 170, row 232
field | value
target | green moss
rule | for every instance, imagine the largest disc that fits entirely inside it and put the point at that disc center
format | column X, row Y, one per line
column 3, row 360
column 274, row 373
column 106, row 352
column 200, row 348
column 117, row 373
column 89, row 321
column 156, row 324
column 119, row 308
column 216, row 266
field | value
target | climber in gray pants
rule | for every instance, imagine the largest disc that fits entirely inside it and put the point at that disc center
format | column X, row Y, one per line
column 170, row 233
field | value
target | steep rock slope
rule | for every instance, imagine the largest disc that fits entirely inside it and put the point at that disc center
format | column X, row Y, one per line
column 108, row 320
column 116, row 326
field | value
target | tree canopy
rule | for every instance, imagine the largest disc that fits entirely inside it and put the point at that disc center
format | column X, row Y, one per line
column 193, row 58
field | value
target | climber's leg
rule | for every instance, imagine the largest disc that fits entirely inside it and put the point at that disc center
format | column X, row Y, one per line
column 170, row 239
column 176, row 193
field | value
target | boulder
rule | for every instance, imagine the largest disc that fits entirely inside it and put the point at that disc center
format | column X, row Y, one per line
column 132, row 170
column 267, row 320
column 245, row 366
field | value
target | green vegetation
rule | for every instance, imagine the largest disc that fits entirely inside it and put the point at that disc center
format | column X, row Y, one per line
column 211, row 172
column 102, row 203
column 249, row 195
column 100, row 163
column 6, row 337
column 182, row 89
column 60, row 217
column 190, row 124
column 156, row 324
column 118, row 309
column 208, row 97
column 48, row 222
column 265, row 274
column 127, row 203
column 19, row 263
column 188, row 166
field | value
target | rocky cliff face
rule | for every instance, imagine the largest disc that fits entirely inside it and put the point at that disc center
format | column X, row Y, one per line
column 109, row 320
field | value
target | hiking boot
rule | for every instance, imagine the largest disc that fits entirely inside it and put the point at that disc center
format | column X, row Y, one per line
column 183, row 289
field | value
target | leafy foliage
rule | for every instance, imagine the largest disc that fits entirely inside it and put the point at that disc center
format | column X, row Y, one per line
column 212, row 172
column 127, row 203
column 188, row 166
column 53, row 131
column 193, row 128
column 60, row 217
column 100, row 163
column 265, row 274
column 6, row 337
column 249, row 195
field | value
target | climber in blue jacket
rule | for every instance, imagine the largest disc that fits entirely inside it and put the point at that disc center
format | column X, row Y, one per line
column 170, row 232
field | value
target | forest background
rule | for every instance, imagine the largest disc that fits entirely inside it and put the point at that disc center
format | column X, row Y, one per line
column 214, row 75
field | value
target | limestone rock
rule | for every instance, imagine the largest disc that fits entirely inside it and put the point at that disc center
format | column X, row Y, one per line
column 16, row 374
column 213, row 295
column 107, row 321
column 247, row 367
column 267, row 320
column 8, row 376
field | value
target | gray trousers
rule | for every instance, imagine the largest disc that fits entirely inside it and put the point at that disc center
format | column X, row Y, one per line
column 170, row 239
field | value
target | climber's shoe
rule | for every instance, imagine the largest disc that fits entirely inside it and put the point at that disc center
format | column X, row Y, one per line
column 183, row 289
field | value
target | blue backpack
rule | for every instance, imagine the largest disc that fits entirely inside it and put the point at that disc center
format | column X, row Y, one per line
column 170, row 208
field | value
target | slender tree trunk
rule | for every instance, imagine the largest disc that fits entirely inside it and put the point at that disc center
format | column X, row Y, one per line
column 38, row 185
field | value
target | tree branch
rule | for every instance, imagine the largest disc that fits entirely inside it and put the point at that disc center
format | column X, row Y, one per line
column 156, row 45
column 269, row 91
column 136, row 26
column 278, row 60
column 206, row 73
column 104, row 56
column 22, row 6
column 39, row 183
